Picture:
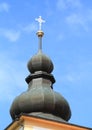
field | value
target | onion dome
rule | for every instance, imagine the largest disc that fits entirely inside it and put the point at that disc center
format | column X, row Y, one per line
column 40, row 62
column 40, row 99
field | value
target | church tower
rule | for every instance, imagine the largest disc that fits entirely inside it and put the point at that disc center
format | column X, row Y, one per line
column 40, row 107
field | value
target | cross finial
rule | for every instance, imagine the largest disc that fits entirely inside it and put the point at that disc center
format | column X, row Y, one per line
column 40, row 21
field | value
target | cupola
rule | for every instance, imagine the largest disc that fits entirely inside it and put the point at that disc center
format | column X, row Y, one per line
column 40, row 99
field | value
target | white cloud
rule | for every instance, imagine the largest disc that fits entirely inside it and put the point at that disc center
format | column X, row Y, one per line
column 81, row 20
column 74, row 3
column 77, row 20
column 89, row 15
column 30, row 27
column 70, row 78
column 65, row 4
column 74, row 19
column 78, row 17
column 4, row 7
column 11, row 35
column 73, row 78
column 60, row 37
column 12, row 79
column 61, row 4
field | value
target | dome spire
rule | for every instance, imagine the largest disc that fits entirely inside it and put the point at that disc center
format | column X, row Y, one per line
column 40, row 100
column 40, row 32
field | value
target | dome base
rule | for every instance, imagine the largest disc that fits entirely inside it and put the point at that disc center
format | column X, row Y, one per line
column 40, row 74
column 47, row 116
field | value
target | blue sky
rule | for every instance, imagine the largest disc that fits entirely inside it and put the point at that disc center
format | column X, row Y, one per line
column 67, row 41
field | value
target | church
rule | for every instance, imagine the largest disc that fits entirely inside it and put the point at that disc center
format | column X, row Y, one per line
column 40, row 107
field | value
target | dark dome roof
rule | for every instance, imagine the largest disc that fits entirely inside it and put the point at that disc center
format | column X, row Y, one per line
column 40, row 96
column 41, row 99
column 40, row 62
